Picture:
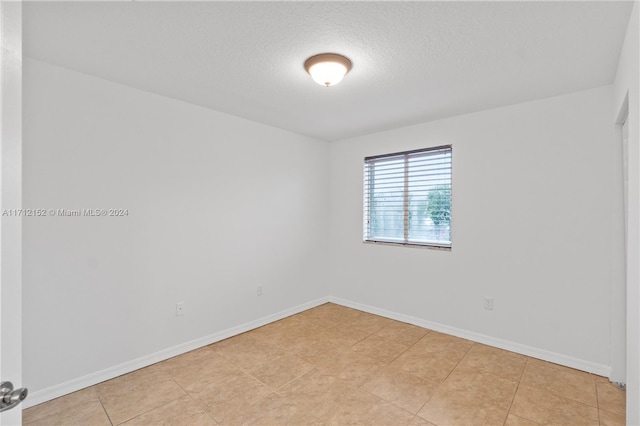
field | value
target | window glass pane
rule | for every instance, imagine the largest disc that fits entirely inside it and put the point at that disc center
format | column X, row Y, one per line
column 387, row 200
column 430, row 198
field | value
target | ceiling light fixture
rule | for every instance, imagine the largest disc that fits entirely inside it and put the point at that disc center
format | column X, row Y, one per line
column 327, row 69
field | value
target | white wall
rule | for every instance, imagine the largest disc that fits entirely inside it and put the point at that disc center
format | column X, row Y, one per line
column 626, row 96
column 217, row 205
column 531, row 227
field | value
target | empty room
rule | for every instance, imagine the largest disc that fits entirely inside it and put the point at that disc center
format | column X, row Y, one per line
column 292, row 213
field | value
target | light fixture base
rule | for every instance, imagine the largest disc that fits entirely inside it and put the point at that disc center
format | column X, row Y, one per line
column 327, row 69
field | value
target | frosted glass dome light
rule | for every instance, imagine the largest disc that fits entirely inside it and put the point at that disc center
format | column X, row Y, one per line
column 327, row 69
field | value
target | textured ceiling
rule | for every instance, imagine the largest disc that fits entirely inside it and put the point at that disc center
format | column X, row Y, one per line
column 412, row 61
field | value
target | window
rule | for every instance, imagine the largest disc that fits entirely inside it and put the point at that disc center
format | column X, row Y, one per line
column 407, row 197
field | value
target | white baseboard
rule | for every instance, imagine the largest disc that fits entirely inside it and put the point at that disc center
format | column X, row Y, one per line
column 556, row 358
column 56, row 391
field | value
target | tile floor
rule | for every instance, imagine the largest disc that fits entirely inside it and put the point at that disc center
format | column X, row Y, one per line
column 338, row 366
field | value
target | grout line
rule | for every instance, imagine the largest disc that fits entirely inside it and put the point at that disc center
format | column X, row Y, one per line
column 412, row 419
column 439, row 384
column 442, row 382
column 422, row 406
column 204, row 409
column 560, row 395
column 160, row 405
column 410, row 346
column 437, row 387
column 526, row 360
column 459, row 361
column 105, row 412
column 315, row 368
column 101, row 404
column 294, row 379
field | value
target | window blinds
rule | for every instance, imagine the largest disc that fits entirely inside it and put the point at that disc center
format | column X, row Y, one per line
column 407, row 197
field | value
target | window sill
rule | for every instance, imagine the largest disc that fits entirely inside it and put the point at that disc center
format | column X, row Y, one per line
column 412, row 245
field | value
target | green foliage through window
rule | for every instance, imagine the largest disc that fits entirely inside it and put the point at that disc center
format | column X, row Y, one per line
column 438, row 205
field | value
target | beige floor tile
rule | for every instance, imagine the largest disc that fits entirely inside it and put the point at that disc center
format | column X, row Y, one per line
column 181, row 412
column 327, row 314
column 433, row 357
column 443, row 346
column 478, row 389
column 316, row 324
column 380, row 349
column 290, row 341
column 425, row 367
column 198, row 367
column 315, row 384
column 611, row 419
column 128, row 396
column 279, row 370
column 447, row 340
column 272, row 410
column 314, row 315
column 299, row 329
column 402, row 389
column 470, row 398
column 317, row 391
column 233, row 394
column 513, row 420
column 494, row 361
column 247, row 337
column 419, row 421
column 350, row 366
column 445, row 409
column 280, row 323
column 367, row 323
column 319, row 353
column 58, row 405
column 544, row 407
column 403, row 333
column 329, row 308
column 610, row 398
column 327, row 345
column 245, row 351
column 266, row 332
column 564, row 381
column 325, row 342
column 342, row 314
column 360, row 407
column 88, row 413
column 332, row 309
column 345, row 337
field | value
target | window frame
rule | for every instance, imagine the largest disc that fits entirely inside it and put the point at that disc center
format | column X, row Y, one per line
column 367, row 191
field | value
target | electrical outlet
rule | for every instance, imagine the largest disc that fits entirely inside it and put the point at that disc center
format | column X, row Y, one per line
column 179, row 309
column 259, row 290
column 488, row 303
